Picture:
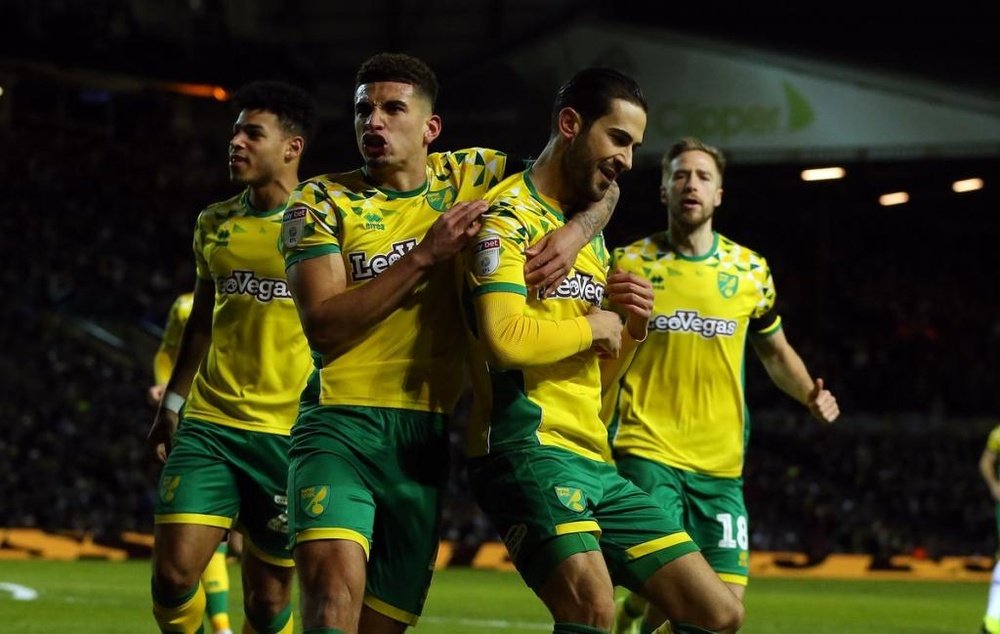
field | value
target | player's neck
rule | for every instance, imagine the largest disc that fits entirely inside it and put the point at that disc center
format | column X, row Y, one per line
column 546, row 175
column 274, row 194
column 404, row 177
column 692, row 242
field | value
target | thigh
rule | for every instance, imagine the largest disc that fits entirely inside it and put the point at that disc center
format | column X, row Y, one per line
column 541, row 502
column 717, row 520
column 198, row 484
column 638, row 536
column 412, row 476
column 329, row 481
column 263, row 479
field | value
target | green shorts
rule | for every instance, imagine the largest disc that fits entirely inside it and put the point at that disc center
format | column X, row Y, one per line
column 220, row 476
column 711, row 509
column 549, row 503
column 376, row 477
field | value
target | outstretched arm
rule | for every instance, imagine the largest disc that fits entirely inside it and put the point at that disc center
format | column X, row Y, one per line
column 551, row 258
column 786, row 369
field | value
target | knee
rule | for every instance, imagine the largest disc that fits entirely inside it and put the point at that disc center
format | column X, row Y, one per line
column 265, row 606
column 585, row 608
column 726, row 617
column 174, row 578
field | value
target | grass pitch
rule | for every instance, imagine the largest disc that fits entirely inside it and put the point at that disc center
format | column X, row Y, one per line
column 101, row 597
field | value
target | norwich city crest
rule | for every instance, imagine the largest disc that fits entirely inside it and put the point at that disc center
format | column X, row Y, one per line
column 441, row 199
column 314, row 500
column 728, row 283
column 168, row 488
column 571, row 498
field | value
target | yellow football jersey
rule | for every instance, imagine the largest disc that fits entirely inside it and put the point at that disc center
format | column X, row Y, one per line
column 681, row 401
column 993, row 441
column 166, row 355
column 413, row 358
column 557, row 404
column 258, row 360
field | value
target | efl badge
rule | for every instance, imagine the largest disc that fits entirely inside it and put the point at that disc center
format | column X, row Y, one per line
column 486, row 256
column 571, row 498
column 314, row 500
column 728, row 283
column 292, row 224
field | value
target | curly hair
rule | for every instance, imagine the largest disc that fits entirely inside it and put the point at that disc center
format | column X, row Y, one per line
column 295, row 109
column 402, row 68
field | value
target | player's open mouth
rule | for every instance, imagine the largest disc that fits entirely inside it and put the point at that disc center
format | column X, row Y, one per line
column 690, row 203
column 237, row 160
column 373, row 143
column 608, row 173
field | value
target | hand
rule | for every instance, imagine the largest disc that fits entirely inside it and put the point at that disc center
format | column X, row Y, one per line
column 606, row 327
column 155, row 394
column 452, row 231
column 633, row 293
column 822, row 404
column 551, row 259
column 161, row 435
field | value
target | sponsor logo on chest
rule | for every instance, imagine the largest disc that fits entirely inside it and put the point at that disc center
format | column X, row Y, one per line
column 246, row 283
column 365, row 268
column 579, row 286
column 691, row 321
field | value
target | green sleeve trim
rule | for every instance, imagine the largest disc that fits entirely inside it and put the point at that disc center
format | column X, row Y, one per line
column 310, row 253
column 500, row 287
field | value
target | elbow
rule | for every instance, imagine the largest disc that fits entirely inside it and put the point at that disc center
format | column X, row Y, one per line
column 317, row 334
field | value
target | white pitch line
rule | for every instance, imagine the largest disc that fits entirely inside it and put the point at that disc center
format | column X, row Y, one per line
column 19, row 592
column 489, row 624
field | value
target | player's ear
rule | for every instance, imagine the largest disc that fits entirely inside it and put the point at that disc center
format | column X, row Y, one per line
column 718, row 197
column 569, row 123
column 433, row 129
column 293, row 147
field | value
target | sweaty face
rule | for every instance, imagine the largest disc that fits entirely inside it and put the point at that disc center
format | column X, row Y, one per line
column 392, row 122
column 257, row 148
column 596, row 156
column 691, row 188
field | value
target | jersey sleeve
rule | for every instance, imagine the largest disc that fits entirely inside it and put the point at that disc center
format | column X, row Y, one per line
column 310, row 225
column 496, row 258
column 993, row 442
column 764, row 318
column 201, row 267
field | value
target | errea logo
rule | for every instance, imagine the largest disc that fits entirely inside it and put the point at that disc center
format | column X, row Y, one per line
column 691, row 321
column 363, row 268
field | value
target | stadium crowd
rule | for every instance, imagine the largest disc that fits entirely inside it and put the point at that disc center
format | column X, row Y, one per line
column 97, row 226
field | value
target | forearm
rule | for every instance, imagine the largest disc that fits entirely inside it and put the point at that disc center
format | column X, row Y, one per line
column 195, row 339
column 988, row 470
column 513, row 340
column 194, row 346
column 614, row 368
column 333, row 318
column 789, row 373
column 593, row 219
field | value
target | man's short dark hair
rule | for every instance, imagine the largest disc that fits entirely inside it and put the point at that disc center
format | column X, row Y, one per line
column 691, row 144
column 591, row 92
column 295, row 108
column 400, row 67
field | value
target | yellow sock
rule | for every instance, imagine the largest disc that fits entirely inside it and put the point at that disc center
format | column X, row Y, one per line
column 185, row 617
column 215, row 580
